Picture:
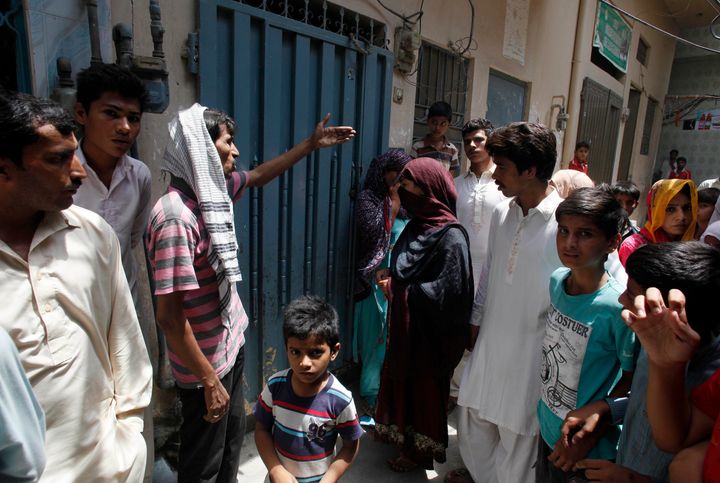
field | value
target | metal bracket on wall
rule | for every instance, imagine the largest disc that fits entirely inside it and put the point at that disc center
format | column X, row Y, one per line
column 192, row 52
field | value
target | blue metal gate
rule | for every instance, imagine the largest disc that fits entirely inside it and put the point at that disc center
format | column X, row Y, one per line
column 277, row 77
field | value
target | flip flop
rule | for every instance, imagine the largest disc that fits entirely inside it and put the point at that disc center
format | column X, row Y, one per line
column 459, row 475
column 401, row 464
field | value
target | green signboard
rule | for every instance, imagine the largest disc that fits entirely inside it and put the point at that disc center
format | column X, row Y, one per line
column 612, row 36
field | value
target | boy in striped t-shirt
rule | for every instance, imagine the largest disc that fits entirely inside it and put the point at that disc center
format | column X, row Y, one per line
column 302, row 410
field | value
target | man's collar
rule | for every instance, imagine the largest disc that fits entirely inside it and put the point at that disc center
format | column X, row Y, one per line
column 53, row 222
column 487, row 173
column 123, row 162
column 61, row 219
column 546, row 207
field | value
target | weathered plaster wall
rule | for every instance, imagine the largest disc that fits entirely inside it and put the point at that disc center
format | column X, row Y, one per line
column 652, row 80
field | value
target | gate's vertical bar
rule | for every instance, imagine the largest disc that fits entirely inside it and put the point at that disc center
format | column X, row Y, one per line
column 348, row 185
column 323, row 213
column 371, row 146
column 332, row 235
column 208, row 56
column 386, row 62
column 246, row 213
column 309, row 224
column 299, row 130
column 269, row 197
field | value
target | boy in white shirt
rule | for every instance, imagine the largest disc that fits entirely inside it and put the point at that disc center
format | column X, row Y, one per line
column 110, row 103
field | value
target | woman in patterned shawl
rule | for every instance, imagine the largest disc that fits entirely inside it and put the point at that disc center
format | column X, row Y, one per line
column 379, row 222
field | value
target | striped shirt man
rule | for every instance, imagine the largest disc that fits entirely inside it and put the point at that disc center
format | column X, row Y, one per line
column 177, row 244
column 305, row 429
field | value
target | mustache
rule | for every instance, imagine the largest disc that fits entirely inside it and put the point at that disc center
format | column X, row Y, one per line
column 74, row 185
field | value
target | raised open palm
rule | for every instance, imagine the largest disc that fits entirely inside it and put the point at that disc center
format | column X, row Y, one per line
column 663, row 330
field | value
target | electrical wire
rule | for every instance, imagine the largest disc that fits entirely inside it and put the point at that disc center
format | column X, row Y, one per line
column 472, row 25
column 645, row 22
column 405, row 19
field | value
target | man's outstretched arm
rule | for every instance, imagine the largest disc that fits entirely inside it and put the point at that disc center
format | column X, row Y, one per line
column 322, row 137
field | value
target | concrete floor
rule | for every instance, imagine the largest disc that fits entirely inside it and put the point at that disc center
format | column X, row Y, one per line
column 369, row 466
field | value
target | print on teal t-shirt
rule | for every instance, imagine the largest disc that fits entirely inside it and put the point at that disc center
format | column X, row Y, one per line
column 585, row 348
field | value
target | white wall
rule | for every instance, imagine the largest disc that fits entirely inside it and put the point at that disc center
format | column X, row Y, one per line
column 695, row 72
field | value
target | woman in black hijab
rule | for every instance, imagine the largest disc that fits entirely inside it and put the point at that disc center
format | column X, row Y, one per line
column 431, row 294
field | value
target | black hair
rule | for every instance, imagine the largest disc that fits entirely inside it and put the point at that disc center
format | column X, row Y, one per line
column 526, row 144
column 20, row 117
column 214, row 118
column 477, row 124
column 685, row 190
column 626, row 188
column 708, row 195
column 689, row 266
column 674, row 151
column 597, row 204
column 311, row 316
column 98, row 79
column 582, row 144
column 440, row 108
column 681, row 158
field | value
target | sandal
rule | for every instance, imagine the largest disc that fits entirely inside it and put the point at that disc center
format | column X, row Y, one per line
column 459, row 475
column 402, row 464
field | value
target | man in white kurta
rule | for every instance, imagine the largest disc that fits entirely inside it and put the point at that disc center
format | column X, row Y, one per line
column 500, row 387
column 67, row 306
column 478, row 195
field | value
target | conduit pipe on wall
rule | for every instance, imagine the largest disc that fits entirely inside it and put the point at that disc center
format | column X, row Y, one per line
column 573, row 105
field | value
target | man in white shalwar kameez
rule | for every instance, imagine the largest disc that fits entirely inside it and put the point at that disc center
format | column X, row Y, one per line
column 478, row 195
column 67, row 305
column 500, row 387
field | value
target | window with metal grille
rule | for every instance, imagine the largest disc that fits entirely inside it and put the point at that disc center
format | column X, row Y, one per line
column 441, row 76
column 642, row 52
column 648, row 126
column 327, row 16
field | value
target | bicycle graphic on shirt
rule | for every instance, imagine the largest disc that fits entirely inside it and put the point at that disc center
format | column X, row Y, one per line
column 557, row 394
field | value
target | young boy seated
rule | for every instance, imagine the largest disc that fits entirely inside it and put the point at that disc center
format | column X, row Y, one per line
column 579, row 161
column 302, row 410
column 628, row 195
column 661, row 321
column 707, row 198
column 435, row 144
column 688, row 267
column 588, row 352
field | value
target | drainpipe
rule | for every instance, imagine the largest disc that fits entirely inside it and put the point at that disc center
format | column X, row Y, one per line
column 575, row 87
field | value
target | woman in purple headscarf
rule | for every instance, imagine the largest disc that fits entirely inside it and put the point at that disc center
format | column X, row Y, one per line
column 379, row 222
column 431, row 294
